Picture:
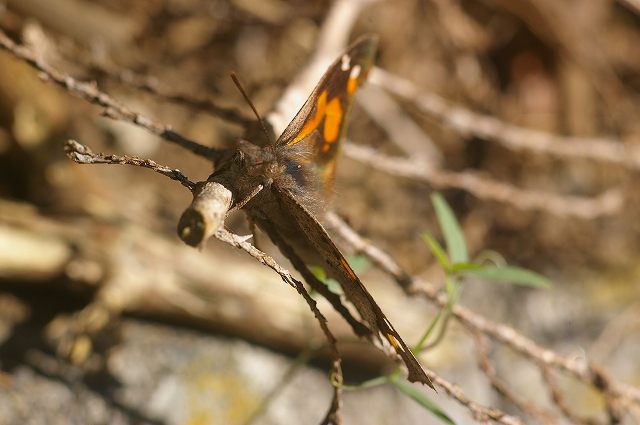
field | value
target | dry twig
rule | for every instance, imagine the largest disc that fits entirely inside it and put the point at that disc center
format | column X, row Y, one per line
column 560, row 402
column 501, row 387
column 510, row 136
column 633, row 4
column 480, row 413
column 151, row 86
column 82, row 154
column 485, row 188
column 92, row 94
column 401, row 129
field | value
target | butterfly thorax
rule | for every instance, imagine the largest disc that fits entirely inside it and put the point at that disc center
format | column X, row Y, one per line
column 271, row 167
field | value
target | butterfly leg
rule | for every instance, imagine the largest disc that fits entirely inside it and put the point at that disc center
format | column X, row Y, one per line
column 247, row 198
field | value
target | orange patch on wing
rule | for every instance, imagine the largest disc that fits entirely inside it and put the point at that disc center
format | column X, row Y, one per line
column 352, row 85
column 313, row 122
column 333, row 120
column 346, row 265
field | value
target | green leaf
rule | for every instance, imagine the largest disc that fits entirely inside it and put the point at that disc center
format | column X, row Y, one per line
column 462, row 268
column 511, row 274
column 451, row 231
column 334, row 286
column 490, row 256
column 321, row 275
column 436, row 250
column 419, row 396
column 423, row 339
column 452, row 288
column 374, row 382
column 359, row 263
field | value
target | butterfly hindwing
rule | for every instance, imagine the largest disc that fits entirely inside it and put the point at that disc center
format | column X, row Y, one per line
column 321, row 122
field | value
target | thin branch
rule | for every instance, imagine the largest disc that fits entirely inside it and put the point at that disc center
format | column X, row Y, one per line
column 501, row 387
column 152, row 86
column 508, row 135
column 558, row 399
column 484, row 188
column 241, row 243
column 615, row 332
column 480, row 413
column 632, row 4
column 91, row 93
column 400, row 128
column 378, row 256
column 579, row 368
column 82, row 154
column 332, row 416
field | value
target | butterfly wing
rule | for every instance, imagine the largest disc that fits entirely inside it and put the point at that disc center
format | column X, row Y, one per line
column 314, row 137
column 321, row 122
column 297, row 227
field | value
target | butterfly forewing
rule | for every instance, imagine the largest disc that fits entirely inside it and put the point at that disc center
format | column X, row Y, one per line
column 321, row 122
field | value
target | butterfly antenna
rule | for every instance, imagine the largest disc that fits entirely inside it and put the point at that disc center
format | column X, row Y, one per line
column 236, row 81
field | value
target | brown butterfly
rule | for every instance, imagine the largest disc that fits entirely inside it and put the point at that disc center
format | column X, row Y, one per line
column 283, row 185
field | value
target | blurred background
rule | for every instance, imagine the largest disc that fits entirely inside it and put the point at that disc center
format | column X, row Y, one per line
column 530, row 107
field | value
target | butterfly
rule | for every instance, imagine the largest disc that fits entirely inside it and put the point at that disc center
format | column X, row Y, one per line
column 283, row 185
